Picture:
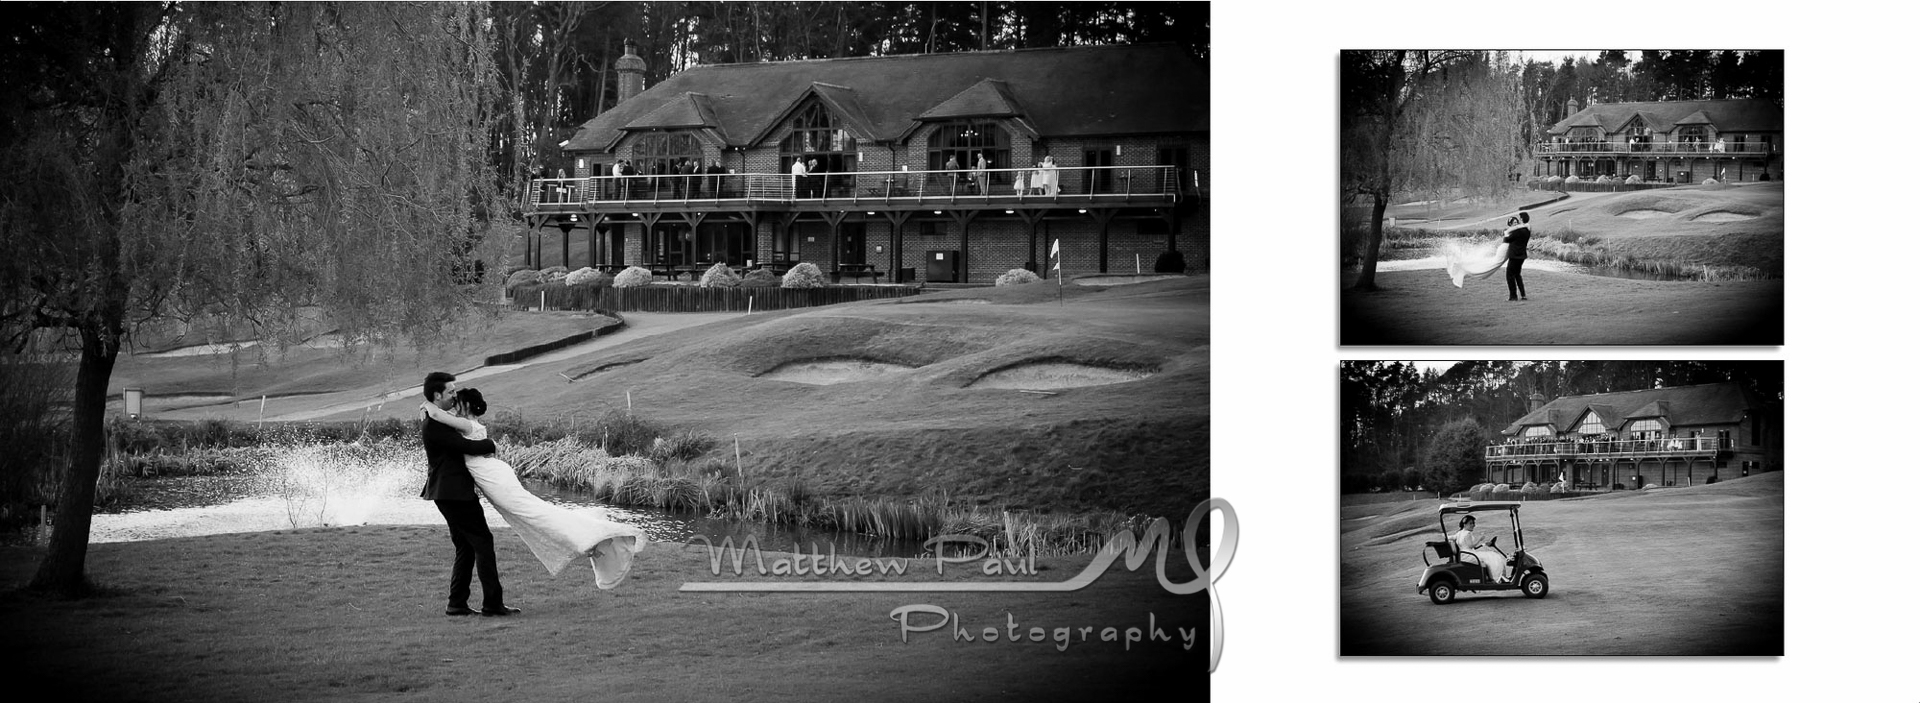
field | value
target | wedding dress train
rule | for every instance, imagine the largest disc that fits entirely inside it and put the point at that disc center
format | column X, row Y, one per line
column 1477, row 262
column 558, row 536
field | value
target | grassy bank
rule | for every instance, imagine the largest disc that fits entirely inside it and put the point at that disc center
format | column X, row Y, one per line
column 1423, row 307
column 619, row 458
column 354, row 614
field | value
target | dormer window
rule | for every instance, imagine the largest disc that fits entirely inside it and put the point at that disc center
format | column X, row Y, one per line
column 965, row 142
column 816, row 130
column 1591, row 425
column 1644, row 428
column 1537, row 431
column 660, row 153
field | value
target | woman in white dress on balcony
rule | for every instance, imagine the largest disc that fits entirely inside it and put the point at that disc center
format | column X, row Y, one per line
column 558, row 536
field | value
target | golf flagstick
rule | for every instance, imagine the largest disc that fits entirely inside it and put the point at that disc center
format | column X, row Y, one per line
column 1059, row 282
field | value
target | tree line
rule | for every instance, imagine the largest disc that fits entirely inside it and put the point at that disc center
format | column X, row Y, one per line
column 1406, row 426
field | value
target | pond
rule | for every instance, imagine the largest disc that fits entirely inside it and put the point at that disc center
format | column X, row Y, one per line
column 191, row 506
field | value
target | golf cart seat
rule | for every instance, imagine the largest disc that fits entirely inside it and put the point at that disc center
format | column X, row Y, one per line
column 1442, row 548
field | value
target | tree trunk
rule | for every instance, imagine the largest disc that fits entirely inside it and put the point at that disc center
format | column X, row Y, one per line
column 64, row 569
column 1371, row 262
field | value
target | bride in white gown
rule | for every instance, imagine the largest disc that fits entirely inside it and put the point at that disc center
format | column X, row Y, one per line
column 558, row 536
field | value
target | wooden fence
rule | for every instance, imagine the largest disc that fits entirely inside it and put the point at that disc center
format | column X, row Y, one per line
column 696, row 299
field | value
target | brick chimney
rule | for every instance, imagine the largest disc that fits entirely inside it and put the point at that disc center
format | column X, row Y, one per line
column 633, row 72
column 1536, row 401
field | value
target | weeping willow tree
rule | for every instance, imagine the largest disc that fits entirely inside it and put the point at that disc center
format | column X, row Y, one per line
column 1441, row 124
column 237, row 160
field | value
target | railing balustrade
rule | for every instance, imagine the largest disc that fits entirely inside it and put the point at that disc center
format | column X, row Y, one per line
column 1079, row 184
column 1656, row 148
column 1602, row 448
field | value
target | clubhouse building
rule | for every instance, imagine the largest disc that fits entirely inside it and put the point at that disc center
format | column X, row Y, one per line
column 932, row 167
column 1680, row 436
column 1683, row 141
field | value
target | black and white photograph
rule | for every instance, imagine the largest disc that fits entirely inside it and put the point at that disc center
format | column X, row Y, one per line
column 1554, row 508
column 1562, row 197
column 608, row 351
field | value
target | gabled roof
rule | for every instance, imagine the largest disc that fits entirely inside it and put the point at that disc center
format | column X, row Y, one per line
column 1656, row 408
column 988, row 98
column 689, row 110
column 1063, row 92
column 1706, row 404
column 1724, row 115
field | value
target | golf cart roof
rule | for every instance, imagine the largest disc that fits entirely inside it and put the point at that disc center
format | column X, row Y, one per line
column 1479, row 507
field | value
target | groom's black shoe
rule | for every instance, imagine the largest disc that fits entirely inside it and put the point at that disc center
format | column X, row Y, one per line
column 500, row 611
column 462, row 611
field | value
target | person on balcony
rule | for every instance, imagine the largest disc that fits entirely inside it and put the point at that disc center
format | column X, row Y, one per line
column 979, row 175
column 714, row 172
column 1049, row 176
column 800, row 172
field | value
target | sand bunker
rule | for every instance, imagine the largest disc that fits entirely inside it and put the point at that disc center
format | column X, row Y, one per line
column 1722, row 216
column 1056, row 374
column 826, row 372
column 1643, row 214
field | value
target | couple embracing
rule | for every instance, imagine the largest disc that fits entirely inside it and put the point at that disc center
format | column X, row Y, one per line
column 459, row 462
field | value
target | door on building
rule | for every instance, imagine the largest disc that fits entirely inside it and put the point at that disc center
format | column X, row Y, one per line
column 1175, row 156
column 853, row 243
column 1099, row 178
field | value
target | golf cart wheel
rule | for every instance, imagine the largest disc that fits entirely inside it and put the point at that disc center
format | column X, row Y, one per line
column 1534, row 585
column 1441, row 592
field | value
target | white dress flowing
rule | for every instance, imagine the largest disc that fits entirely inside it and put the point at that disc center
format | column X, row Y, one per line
column 1478, row 263
column 558, row 536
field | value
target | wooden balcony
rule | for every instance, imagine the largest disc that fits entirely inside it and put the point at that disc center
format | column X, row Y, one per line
column 1573, row 450
column 1124, row 186
column 1658, row 149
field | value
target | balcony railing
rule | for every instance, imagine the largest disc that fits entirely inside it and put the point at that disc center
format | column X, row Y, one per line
column 1656, row 148
column 1067, row 185
column 1621, row 448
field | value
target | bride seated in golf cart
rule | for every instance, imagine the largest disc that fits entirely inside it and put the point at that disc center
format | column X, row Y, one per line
column 1464, row 544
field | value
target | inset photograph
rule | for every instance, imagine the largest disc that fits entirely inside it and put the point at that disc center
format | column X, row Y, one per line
column 1551, row 508
column 1562, row 197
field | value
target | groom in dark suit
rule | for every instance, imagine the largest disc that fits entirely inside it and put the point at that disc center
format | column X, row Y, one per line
column 450, row 488
column 1516, row 239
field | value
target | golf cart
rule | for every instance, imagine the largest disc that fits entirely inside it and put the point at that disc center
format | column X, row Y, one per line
column 1457, row 571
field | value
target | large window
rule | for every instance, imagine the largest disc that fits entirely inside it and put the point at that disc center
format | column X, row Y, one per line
column 664, row 152
column 1650, row 427
column 1537, row 431
column 1591, row 425
column 1694, row 137
column 816, row 134
column 965, row 142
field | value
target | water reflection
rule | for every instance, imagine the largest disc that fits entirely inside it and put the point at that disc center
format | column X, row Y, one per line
column 673, row 526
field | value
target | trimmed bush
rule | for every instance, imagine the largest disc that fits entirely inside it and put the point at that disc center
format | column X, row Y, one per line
column 585, row 275
column 1709, row 182
column 1016, row 277
column 553, row 273
column 804, row 276
column 1170, row 262
column 523, row 277
column 633, row 277
column 761, row 278
column 516, row 268
column 719, row 276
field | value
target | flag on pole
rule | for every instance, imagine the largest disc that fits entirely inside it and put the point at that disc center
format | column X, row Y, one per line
column 1055, row 255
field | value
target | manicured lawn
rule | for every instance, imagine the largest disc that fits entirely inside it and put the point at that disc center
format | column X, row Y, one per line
column 1681, row 571
column 319, row 369
column 1138, row 446
column 1423, row 307
column 354, row 613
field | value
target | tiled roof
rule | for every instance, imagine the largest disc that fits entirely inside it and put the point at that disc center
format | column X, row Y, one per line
column 1077, row 91
column 1724, row 115
column 1707, row 404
